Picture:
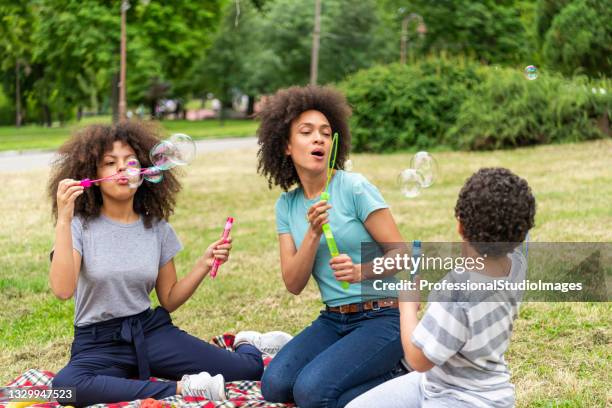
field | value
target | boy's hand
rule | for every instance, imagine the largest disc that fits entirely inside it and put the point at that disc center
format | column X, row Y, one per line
column 67, row 192
column 344, row 269
column 219, row 249
column 317, row 216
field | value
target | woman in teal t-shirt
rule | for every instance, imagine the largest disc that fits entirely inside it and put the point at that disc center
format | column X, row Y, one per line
column 355, row 343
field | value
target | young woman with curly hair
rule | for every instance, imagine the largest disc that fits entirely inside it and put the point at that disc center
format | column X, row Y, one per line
column 354, row 344
column 113, row 246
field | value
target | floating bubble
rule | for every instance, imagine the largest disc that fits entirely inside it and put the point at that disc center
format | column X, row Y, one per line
column 425, row 164
column 348, row 165
column 185, row 147
column 531, row 72
column 410, row 183
column 179, row 150
column 153, row 174
column 133, row 163
column 161, row 154
column 133, row 175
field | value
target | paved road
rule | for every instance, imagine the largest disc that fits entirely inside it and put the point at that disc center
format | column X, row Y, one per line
column 39, row 160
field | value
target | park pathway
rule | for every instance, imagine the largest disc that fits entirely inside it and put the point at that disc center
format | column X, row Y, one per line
column 22, row 161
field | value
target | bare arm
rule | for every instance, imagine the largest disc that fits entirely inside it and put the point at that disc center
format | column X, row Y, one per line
column 296, row 264
column 66, row 261
column 171, row 292
column 65, row 265
column 381, row 226
column 408, row 322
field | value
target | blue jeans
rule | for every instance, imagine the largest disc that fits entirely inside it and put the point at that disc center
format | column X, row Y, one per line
column 335, row 359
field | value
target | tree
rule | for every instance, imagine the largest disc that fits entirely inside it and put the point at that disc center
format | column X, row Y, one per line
column 176, row 37
column 270, row 47
column 579, row 39
column 71, row 49
column 225, row 67
column 75, row 42
column 545, row 14
column 489, row 30
column 16, row 21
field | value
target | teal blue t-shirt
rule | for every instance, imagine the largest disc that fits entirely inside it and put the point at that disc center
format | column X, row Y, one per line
column 353, row 198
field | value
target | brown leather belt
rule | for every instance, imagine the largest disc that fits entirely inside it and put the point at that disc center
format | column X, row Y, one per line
column 361, row 307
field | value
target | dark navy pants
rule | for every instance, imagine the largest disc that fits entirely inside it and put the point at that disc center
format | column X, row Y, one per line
column 335, row 359
column 112, row 361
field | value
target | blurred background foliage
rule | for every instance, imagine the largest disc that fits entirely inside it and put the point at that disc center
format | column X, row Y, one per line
column 462, row 85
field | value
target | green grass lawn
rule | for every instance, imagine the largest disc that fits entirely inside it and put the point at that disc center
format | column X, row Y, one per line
column 37, row 137
column 559, row 354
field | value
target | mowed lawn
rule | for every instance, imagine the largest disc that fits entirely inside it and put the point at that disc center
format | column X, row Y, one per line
column 560, row 352
column 37, row 137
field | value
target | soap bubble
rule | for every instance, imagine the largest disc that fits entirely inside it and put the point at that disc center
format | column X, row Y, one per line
column 179, row 150
column 133, row 163
column 153, row 174
column 133, row 175
column 161, row 154
column 185, row 147
column 410, row 183
column 425, row 164
column 348, row 165
column 531, row 72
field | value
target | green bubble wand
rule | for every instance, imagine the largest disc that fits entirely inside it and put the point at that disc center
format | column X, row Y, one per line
column 327, row 232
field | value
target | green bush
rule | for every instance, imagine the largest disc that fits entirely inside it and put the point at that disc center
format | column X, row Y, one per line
column 401, row 106
column 461, row 104
column 506, row 110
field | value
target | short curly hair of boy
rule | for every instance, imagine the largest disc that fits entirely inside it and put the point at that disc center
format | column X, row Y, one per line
column 80, row 157
column 496, row 209
column 276, row 115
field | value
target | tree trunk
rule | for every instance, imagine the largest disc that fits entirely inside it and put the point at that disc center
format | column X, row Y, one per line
column 79, row 113
column 226, row 107
column 316, row 33
column 115, row 97
column 17, row 97
column 251, row 106
column 604, row 124
column 47, row 115
column 152, row 106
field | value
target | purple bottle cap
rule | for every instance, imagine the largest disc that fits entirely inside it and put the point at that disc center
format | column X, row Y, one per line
column 85, row 183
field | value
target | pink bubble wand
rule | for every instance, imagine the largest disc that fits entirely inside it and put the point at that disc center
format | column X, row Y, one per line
column 225, row 235
column 88, row 183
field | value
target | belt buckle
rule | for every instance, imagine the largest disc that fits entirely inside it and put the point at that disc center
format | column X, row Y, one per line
column 345, row 309
column 377, row 307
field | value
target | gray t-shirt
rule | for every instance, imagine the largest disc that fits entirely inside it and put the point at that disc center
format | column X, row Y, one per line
column 119, row 266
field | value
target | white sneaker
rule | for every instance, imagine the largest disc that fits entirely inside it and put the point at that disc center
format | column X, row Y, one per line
column 268, row 343
column 204, row 385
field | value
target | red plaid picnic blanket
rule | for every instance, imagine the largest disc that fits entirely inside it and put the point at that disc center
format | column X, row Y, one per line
column 243, row 394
